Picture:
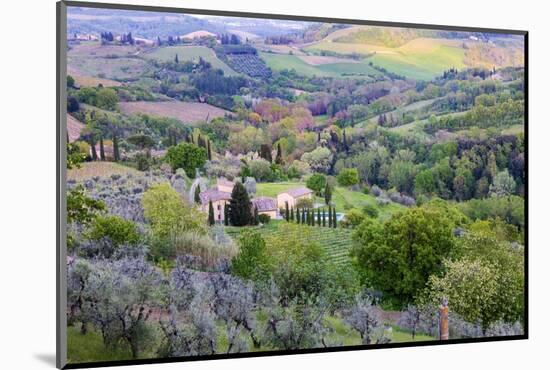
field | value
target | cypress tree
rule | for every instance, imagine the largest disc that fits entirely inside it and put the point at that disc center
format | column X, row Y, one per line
column 318, row 216
column 303, row 216
column 209, row 150
column 345, row 141
column 287, row 212
column 225, row 215
column 279, row 157
column 197, row 194
column 292, row 214
column 101, row 149
column 176, row 59
column 116, row 153
column 329, row 216
column 94, row 151
column 328, row 193
column 334, row 219
column 298, row 216
column 211, row 219
column 324, row 223
column 240, row 213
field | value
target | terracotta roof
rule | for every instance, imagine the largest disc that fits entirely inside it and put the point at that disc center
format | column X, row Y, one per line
column 264, row 204
column 298, row 192
column 213, row 195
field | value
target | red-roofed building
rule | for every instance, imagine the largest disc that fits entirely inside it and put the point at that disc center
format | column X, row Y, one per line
column 291, row 196
column 265, row 205
column 219, row 199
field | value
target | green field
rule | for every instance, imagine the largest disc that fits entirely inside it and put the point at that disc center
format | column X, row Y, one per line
column 119, row 68
column 421, row 58
column 189, row 53
column 89, row 347
column 421, row 66
column 279, row 62
column 343, row 198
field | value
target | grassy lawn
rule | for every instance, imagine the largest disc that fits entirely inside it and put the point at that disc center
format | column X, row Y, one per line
column 343, row 333
column 271, row 189
column 279, row 62
column 421, row 65
column 188, row 53
column 422, row 58
column 89, row 347
column 343, row 198
column 346, row 199
column 101, row 169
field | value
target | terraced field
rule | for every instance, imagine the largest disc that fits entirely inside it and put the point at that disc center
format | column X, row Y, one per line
column 189, row 53
column 335, row 242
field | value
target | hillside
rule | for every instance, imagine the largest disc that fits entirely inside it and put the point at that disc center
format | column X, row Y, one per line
column 189, row 53
column 183, row 111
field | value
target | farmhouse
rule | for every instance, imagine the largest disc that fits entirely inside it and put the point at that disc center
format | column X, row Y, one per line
column 291, row 196
column 265, row 206
column 219, row 201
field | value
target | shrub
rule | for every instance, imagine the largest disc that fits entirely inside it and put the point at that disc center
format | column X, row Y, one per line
column 264, row 219
column 348, row 177
column 252, row 262
column 382, row 201
column 169, row 217
column 371, row 210
column 261, row 169
column 118, row 230
column 376, row 191
column 353, row 218
column 209, row 252
column 304, row 203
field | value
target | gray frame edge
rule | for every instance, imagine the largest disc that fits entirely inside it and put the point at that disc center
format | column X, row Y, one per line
column 61, row 172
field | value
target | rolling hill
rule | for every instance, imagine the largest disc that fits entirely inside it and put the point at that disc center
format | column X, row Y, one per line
column 188, row 53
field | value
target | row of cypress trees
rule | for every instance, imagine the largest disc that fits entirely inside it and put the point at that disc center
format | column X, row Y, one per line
column 306, row 216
